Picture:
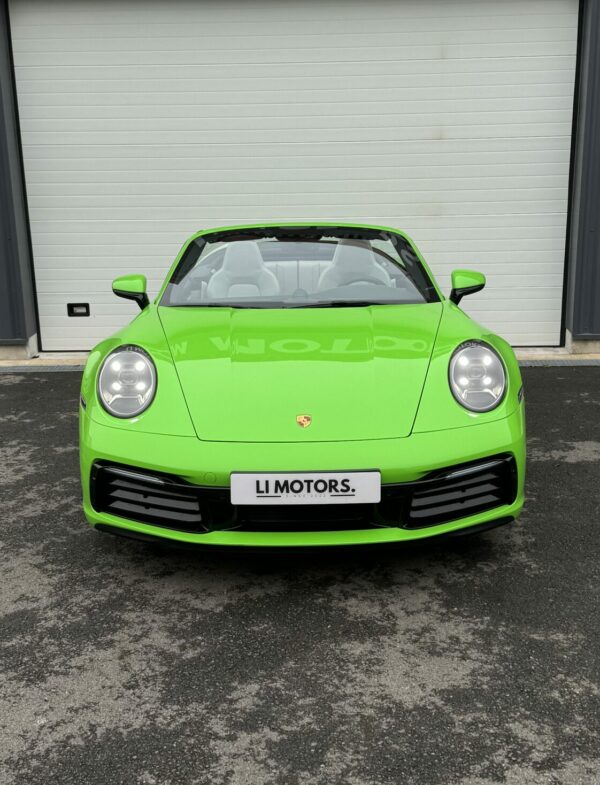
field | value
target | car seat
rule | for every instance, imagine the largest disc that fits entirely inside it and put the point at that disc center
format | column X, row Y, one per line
column 352, row 261
column 243, row 274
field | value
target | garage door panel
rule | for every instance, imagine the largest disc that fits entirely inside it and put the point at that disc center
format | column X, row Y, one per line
column 182, row 181
column 275, row 13
column 144, row 122
column 290, row 76
column 113, row 112
column 182, row 117
column 333, row 131
column 285, row 118
column 153, row 40
column 210, row 54
column 474, row 87
column 442, row 151
column 294, row 208
column 390, row 183
column 171, row 35
column 74, row 92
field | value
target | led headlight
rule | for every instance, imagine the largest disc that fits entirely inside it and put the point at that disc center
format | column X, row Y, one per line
column 477, row 376
column 127, row 382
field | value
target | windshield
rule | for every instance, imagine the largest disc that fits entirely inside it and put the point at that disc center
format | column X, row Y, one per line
column 298, row 268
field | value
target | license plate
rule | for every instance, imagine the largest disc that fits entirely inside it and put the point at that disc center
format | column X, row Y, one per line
column 306, row 488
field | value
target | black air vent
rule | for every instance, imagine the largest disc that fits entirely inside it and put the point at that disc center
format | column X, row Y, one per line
column 462, row 491
column 146, row 498
column 78, row 309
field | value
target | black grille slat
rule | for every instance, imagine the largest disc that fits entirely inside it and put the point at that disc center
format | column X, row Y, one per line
column 148, row 488
column 452, row 482
column 441, row 495
column 133, row 511
column 458, row 509
column 152, row 500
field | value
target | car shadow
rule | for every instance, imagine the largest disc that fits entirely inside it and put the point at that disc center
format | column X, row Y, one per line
column 460, row 552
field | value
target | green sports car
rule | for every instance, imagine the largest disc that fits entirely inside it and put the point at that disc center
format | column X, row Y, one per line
column 301, row 385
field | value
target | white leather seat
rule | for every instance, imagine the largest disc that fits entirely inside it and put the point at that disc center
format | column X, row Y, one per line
column 352, row 261
column 243, row 274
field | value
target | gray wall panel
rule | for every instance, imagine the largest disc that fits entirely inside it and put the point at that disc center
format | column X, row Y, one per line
column 583, row 314
column 17, row 310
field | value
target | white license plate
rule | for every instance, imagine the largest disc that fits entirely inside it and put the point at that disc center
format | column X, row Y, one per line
column 306, row 488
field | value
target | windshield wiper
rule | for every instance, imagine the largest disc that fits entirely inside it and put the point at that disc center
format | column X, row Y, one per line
column 290, row 304
column 340, row 304
column 227, row 305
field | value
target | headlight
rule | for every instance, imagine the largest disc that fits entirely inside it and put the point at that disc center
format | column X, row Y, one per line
column 127, row 382
column 477, row 376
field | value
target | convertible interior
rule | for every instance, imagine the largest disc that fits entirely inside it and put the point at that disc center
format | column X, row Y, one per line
column 271, row 269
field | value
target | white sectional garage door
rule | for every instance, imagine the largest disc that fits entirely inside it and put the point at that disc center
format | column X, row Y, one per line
column 145, row 121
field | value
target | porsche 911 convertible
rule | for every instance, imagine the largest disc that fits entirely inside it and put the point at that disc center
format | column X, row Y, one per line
column 301, row 385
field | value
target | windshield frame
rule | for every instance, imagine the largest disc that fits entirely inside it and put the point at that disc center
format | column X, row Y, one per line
column 196, row 244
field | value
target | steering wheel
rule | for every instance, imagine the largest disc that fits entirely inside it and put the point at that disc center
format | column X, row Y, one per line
column 365, row 279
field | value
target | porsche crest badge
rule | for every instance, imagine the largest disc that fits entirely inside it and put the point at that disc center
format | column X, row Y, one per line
column 303, row 420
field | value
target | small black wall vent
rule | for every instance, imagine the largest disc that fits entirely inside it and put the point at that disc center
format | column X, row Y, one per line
column 78, row 309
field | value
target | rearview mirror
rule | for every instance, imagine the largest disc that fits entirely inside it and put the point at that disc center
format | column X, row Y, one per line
column 132, row 287
column 465, row 282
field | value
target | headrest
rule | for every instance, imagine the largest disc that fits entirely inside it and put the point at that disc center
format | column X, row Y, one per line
column 242, row 259
column 355, row 255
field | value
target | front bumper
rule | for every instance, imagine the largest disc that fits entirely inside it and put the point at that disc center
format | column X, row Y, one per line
column 209, row 464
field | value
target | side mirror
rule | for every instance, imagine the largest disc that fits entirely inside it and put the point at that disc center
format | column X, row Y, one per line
column 132, row 287
column 465, row 282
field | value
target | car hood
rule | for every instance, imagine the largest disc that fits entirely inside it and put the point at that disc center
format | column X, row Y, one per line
column 248, row 374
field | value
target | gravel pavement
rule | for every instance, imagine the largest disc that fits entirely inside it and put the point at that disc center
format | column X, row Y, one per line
column 462, row 662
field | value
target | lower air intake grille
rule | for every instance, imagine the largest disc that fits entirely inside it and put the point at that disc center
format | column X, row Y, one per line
column 168, row 501
column 461, row 491
column 148, row 498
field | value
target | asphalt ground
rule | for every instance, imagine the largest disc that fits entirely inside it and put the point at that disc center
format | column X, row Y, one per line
column 461, row 662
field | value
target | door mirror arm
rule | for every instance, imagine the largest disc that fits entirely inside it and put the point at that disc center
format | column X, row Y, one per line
column 141, row 298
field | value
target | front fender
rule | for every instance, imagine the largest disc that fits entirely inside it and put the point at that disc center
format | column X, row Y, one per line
column 168, row 413
column 438, row 408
